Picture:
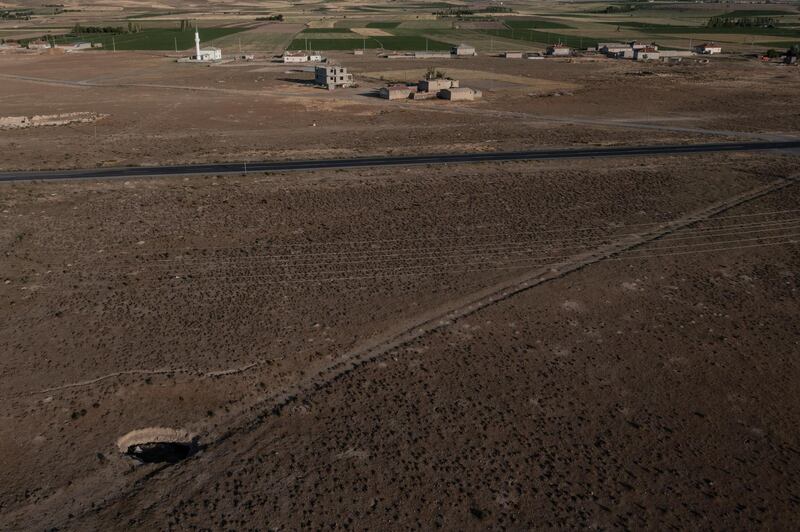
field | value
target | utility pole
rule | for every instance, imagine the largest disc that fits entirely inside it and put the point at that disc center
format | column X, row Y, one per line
column 114, row 43
column 176, row 45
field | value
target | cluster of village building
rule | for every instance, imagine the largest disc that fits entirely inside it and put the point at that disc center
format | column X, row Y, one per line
column 41, row 44
column 301, row 57
column 631, row 50
column 650, row 52
column 444, row 88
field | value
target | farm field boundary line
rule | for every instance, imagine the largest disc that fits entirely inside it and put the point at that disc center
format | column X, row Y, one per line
column 439, row 241
column 379, row 161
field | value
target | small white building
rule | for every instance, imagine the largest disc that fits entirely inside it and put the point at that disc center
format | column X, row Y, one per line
column 646, row 54
column 39, row 45
column 708, row 48
column 209, row 54
column 463, row 50
column 559, row 50
column 431, row 55
column 295, row 57
column 315, row 57
column 512, row 55
column 635, row 45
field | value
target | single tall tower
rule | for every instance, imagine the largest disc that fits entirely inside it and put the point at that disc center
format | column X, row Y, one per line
column 197, row 44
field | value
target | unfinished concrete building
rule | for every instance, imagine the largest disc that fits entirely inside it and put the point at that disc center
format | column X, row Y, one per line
column 397, row 92
column 426, row 89
column 332, row 77
column 435, row 85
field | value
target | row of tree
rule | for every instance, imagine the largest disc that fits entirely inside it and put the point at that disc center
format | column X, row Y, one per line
column 15, row 14
column 740, row 22
column 133, row 27
column 464, row 12
column 78, row 29
column 793, row 51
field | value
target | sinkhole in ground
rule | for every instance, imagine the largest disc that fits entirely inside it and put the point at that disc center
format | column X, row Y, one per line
column 158, row 445
column 159, row 452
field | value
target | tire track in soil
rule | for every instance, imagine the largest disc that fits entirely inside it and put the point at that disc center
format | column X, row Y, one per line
column 442, row 317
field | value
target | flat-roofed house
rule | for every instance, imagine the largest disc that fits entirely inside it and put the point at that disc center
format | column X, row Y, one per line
column 295, row 57
column 431, row 55
column 463, row 50
column 616, row 50
column 397, row 92
column 460, row 94
column 646, row 54
column 559, row 50
column 435, row 85
column 39, row 45
column 708, row 48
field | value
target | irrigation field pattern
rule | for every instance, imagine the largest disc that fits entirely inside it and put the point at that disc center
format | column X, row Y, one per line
column 357, row 261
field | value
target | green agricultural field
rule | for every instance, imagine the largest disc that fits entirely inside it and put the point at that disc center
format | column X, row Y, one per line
column 663, row 29
column 387, row 43
column 516, row 23
column 544, row 37
column 779, row 45
column 383, row 25
column 153, row 39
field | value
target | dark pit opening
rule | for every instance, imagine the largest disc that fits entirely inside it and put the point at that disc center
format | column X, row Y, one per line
column 162, row 452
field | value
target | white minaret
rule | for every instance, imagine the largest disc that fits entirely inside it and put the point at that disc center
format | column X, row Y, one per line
column 197, row 44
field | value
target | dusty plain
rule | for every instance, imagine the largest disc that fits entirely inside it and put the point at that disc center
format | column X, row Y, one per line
column 160, row 112
column 274, row 315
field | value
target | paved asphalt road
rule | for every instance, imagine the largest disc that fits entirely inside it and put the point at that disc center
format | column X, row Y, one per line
column 283, row 166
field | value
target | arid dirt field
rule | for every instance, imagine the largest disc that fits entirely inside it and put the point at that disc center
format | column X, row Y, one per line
column 198, row 303
column 163, row 112
column 606, row 343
